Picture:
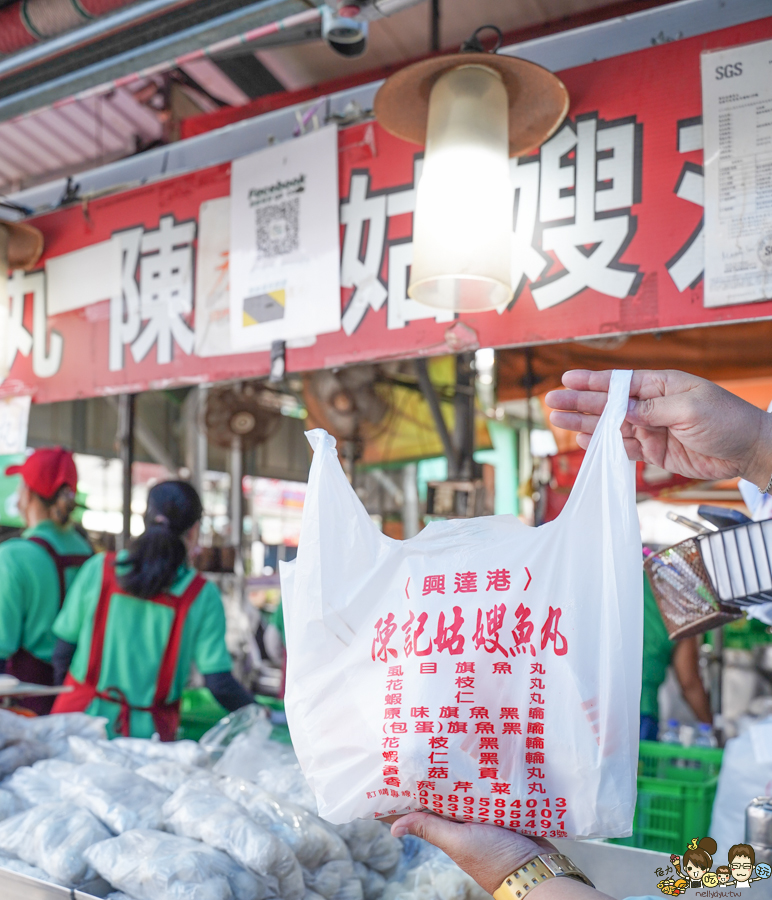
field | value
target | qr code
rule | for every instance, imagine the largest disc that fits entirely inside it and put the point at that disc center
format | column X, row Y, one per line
column 277, row 228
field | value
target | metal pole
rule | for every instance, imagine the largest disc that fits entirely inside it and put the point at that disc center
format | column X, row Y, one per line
column 434, row 23
column 126, row 449
column 5, row 302
column 430, row 395
column 237, row 504
column 410, row 512
column 464, row 407
column 202, row 440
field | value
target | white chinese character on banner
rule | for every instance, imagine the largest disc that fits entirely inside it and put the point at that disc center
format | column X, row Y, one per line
column 163, row 298
column 165, row 290
column 687, row 266
column 46, row 348
column 124, row 308
column 527, row 263
column 588, row 199
column 366, row 218
column 365, row 221
column 19, row 340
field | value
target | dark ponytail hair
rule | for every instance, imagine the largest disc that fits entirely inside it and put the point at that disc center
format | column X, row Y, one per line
column 60, row 507
column 173, row 507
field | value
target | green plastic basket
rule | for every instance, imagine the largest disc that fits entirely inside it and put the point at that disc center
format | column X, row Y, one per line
column 199, row 711
column 676, row 788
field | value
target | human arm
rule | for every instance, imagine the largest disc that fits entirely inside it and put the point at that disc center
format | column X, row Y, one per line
column 210, row 652
column 489, row 854
column 61, row 659
column 679, row 422
column 227, row 691
column 686, row 655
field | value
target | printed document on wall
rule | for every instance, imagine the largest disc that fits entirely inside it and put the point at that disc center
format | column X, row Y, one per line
column 285, row 253
column 737, row 122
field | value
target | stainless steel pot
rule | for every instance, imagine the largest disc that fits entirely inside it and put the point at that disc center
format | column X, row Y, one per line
column 758, row 822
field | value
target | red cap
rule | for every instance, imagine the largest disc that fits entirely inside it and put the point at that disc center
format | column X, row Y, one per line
column 47, row 470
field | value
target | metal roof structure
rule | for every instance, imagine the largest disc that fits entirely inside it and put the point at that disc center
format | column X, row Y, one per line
column 69, row 139
column 125, row 135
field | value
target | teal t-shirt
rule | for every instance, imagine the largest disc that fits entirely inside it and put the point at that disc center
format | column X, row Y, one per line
column 136, row 635
column 29, row 588
column 657, row 652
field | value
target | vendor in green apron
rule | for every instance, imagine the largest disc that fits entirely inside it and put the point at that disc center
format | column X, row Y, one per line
column 131, row 626
column 36, row 570
column 659, row 652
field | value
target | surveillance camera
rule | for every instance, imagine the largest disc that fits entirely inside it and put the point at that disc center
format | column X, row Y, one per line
column 348, row 37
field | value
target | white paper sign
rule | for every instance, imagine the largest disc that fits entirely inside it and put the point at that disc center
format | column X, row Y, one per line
column 213, row 328
column 737, row 125
column 284, row 248
column 14, row 421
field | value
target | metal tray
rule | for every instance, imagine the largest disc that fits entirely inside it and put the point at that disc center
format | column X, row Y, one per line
column 14, row 886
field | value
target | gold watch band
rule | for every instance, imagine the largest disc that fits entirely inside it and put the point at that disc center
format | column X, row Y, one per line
column 534, row 872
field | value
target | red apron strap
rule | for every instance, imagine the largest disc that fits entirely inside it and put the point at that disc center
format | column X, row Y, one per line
column 171, row 655
column 109, row 587
column 62, row 562
column 165, row 715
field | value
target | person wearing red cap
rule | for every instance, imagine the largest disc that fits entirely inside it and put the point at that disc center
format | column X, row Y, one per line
column 36, row 570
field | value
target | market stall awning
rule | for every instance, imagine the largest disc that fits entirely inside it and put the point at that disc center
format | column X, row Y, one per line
column 720, row 353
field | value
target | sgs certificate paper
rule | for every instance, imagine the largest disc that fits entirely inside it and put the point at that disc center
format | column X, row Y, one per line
column 737, row 126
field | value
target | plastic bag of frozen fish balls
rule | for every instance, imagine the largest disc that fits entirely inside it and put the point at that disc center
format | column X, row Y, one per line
column 311, row 840
column 118, row 797
column 11, row 864
column 170, row 775
column 41, row 782
column 199, row 810
column 53, row 837
column 10, row 804
column 154, row 865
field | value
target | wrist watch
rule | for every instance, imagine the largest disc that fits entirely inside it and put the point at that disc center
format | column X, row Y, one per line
column 537, row 870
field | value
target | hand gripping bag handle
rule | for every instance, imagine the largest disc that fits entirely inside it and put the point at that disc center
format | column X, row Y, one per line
column 606, row 457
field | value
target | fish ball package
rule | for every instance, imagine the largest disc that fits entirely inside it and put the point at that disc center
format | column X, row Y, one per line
column 484, row 670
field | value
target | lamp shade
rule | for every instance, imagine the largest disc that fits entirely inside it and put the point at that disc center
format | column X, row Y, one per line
column 462, row 225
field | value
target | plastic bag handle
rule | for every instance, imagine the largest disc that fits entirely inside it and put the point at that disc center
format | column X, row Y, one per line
column 615, row 411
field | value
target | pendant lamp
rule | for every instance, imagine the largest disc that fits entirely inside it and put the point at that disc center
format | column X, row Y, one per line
column 473, row 111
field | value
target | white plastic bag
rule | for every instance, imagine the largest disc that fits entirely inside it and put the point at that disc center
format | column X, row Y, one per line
column 270, row 764
column 42, row 782
column 372, row 843
column 152, row 865
column 118, row 797
column 170, row 775
column 745, row 773
column 189, row 753
column 311, row 840
column 54, row 837
column 10, row 804
column 199, row 810
column 483, row 669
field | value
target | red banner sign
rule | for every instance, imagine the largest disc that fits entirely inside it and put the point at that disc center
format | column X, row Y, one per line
column 607, row 239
